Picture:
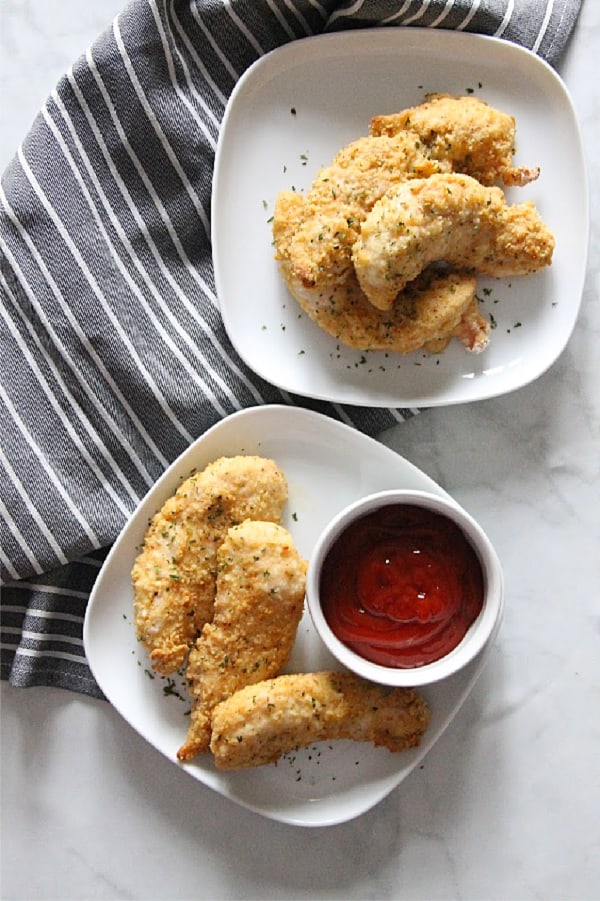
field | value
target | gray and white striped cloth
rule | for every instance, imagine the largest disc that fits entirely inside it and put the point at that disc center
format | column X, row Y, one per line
column 114, row 357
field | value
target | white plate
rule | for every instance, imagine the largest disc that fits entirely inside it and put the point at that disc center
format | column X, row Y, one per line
column 334, row 84
column 327, row 465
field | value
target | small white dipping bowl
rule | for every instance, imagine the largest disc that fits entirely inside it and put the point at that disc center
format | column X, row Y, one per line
column 480, row 632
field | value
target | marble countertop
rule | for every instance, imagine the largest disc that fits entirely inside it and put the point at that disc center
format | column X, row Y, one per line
column 506, row 804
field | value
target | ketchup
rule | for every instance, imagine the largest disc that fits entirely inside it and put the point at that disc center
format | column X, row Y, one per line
column 401, row 586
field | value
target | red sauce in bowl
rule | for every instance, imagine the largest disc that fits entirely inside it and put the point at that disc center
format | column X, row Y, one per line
column 401, row 586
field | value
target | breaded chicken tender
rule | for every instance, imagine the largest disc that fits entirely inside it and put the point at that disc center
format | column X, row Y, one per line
column 478, row 139
column 258, row 605
column 450, row 218
column 314, row 233
column 174, row 576
column 427, row 315
column 318, row 237
column 430, row 313
column 258, row 724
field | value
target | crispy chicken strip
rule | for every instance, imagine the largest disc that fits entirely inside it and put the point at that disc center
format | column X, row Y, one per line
column 427, row 314
column 451, row 218
column 478, row 139
column 315, row 233
column 258, row 724
column 258, row 605
column 174, row 575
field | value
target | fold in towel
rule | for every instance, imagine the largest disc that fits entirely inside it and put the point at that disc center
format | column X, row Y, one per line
column 114, row 356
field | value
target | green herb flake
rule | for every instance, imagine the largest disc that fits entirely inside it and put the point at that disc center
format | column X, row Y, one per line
column 170, row 689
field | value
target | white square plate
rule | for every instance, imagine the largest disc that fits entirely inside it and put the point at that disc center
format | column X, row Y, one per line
column 287, row 117
column 327, row 465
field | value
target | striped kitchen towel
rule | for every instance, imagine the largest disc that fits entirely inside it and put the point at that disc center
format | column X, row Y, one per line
column 114, row 357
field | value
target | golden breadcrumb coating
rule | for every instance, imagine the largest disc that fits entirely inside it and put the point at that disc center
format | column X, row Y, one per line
column 174, row 576
column 477, row 139
column 317, row 237
column 326, row 221
column 259, row 723
column 450, row 218
column 258, row 605
column 444, row 134
column 428, row 313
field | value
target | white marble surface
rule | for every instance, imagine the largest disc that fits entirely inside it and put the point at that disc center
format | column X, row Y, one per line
column 507, row 804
